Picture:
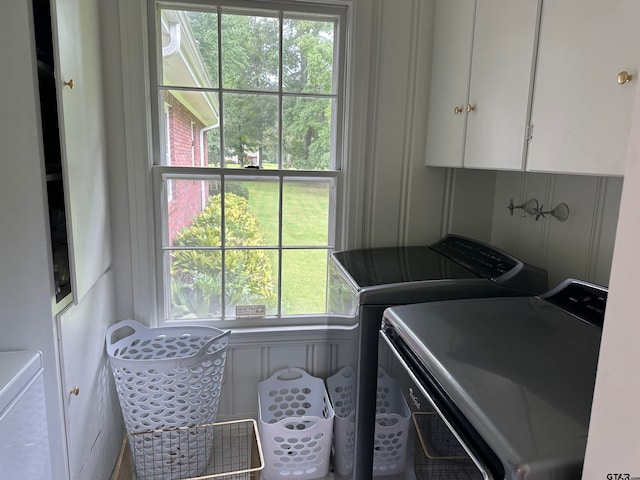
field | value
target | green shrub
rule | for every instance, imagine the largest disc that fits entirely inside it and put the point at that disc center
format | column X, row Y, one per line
column 196, row 275
column 240, row 189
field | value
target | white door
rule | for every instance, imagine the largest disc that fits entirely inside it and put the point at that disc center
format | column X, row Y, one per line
column 80, row 103
column 450, row 72
column 91, row 409
column 581, row 115
column 501, row 81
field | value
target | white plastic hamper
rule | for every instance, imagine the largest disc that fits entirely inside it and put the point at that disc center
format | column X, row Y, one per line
column 166, row 378
column 296, row 423
column 391, row 429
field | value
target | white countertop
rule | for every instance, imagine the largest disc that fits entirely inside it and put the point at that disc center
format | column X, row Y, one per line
column 16, row 371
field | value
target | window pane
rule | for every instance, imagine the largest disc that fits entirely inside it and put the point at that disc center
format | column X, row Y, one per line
column 193, row 212
column 195, row 283
column 251, row 279
column 189, row 48
column 230, row 95
column 304, row 278
column 189, row 123
column 307, row 56
column 306, row 208
column 251, row 212
column 250, row 129
column 306, row 133
column 250, row 51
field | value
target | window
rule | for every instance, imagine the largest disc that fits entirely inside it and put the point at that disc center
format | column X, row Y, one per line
column 248, row 195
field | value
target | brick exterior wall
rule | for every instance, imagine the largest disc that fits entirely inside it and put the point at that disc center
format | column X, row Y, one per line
column 184, row 140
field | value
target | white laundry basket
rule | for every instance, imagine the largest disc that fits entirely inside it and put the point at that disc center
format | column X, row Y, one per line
column 166, row 378
column 296, row 423
column 391, row 429
column 342, row 391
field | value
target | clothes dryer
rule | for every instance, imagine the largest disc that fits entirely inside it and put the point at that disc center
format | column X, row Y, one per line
column 499, row 388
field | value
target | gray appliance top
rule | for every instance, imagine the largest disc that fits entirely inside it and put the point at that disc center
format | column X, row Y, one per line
column 384, row 266
column 520, row 369
column 453, row 258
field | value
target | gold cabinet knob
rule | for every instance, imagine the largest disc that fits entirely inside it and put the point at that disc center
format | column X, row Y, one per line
column 75, row 391
column 71, row 84
column 624, row 77
column 457, row 110
column 470, row 108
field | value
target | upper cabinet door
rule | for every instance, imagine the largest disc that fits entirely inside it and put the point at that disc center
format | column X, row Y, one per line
column 450, row 72
column 504, row 47
column 81, row 108
column 581, row 114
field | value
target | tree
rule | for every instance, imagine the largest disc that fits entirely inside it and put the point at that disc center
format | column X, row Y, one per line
column 250, row 63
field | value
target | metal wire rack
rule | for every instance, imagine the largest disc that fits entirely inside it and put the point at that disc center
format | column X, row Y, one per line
column 439, row 455
column 223, row 451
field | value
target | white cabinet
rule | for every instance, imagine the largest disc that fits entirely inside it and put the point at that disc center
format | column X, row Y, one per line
column 90, row 401
column 450, row 73
column 76, row 32
column 581, row 114
column 485, row 83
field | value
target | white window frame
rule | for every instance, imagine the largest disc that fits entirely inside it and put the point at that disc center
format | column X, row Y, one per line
column 167, row 144
column 163, row 172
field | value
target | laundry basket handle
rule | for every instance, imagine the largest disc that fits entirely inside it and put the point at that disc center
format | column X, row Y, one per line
column 130, row 324
column 310, row 421
column 196, row 357
column 290, row 374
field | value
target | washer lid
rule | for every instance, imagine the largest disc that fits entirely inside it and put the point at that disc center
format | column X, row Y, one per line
column 520, row 369
column 384, row 266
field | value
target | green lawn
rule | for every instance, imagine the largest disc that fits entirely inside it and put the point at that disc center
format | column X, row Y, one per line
column 304, row 223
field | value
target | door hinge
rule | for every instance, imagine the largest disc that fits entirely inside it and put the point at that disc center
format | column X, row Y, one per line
column 529, row 133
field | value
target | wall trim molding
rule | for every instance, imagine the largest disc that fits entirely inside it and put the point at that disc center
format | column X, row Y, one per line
column 370, row 170
column 597, row 226
column 547, row 201
column 448, row 195
column 408, row 149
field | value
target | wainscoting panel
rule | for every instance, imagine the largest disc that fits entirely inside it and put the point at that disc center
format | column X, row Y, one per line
column 580, row 247
column 254, row 356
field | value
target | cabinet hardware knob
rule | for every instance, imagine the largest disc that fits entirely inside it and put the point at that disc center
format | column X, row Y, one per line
column 470, row 108
column 457, row 110
column 71, row 84
column 75, row 391
column 624, row 77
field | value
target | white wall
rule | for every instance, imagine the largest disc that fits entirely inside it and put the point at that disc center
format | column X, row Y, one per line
column 614, row 432
column 400, row 192
column 580, row 247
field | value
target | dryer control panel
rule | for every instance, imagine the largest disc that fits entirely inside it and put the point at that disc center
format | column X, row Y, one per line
column 584, row 300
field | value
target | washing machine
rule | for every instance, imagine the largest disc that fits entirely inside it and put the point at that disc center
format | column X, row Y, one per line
column 498, row 388
column 364, row 282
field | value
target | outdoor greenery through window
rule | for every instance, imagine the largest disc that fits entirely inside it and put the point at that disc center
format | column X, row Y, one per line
column 247, row 156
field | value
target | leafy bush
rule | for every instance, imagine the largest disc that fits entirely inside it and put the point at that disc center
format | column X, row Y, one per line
column 240, row 189
column 196, row 275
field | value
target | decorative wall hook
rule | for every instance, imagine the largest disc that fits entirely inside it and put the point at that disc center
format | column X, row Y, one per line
column 560, row 212
column 530, row 206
